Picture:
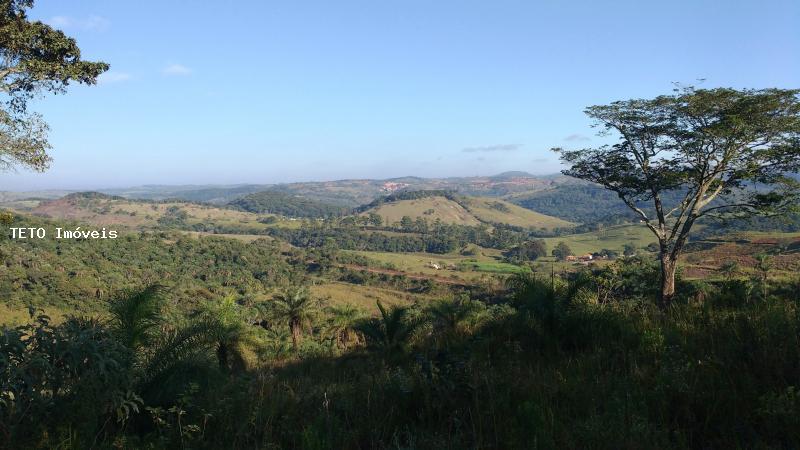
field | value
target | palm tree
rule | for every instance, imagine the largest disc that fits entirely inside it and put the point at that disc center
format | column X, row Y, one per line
column 236, row 339
column 454, row 317
column 341, row 324
column 764, row 266
column 168, row 356
column 729, row 269
column 391, row 332
column 547, row 300
column 176, row 358
column 276, row 344
column 297, row 308
column 136, row 316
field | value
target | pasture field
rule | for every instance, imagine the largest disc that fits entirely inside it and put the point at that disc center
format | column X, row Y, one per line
column 487, row 260
column 705, row 259
column 494, row 267
column 499, row 211
column 238, row 237
column 469, row 211
column 337, row 293
column 611, row 238
column 431, row 208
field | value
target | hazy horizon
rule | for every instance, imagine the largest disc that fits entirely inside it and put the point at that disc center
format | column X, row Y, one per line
column 229, row 185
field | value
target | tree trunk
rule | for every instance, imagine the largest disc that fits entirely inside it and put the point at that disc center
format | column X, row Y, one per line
column 668, row 266
column 222, row 356
column 296, row 334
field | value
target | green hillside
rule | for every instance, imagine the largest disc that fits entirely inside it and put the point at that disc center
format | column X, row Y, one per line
column 450, row 208
column 80, row 275
column 430, row 208
column 499, row 211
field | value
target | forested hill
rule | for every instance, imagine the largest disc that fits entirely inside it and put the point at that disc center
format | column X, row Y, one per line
column 590, row 204
column 276, row 202
column 204, row 194
column 581, row 203
column 79, row 275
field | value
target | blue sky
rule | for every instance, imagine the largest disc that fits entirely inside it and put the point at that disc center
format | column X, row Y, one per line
column 265, row 92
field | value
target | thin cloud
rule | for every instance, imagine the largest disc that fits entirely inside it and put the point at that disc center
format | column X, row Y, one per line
column 493, row 148
column 176, row 69
column 90, row 23
column 577, row 138
column 113, row 77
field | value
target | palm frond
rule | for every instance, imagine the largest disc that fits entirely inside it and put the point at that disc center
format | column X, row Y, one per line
column 135, row 316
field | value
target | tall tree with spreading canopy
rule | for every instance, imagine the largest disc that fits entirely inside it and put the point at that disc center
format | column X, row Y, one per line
column 34, row 59
column 722, row 152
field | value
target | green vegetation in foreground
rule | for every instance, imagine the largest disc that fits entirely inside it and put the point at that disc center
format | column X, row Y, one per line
column 540, row 367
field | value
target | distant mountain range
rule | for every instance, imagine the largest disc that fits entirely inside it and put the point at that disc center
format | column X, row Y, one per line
column 347, row 193
column 560, row 197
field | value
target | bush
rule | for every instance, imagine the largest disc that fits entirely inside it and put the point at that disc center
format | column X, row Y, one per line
column 71, row 381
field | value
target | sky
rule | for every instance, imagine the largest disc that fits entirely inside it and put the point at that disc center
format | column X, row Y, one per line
column 282, row 91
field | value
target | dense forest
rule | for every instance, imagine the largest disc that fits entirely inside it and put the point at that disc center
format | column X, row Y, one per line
column 82, row 273
column 576, row 203
column 276, row 202
column 413, row 236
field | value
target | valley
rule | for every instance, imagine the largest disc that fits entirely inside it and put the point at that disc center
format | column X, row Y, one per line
column 385, row 249
column 279, row 225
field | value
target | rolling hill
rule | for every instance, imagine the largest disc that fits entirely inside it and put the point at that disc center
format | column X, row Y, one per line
column 194, row 193
column 346, row 193
column 493, row 210
column 349, row 192
column 105, row 210
column 430, row 208
column 455, row 209
column 358, row 192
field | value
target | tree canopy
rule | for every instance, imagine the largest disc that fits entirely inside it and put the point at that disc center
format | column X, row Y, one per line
column 34, row 59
